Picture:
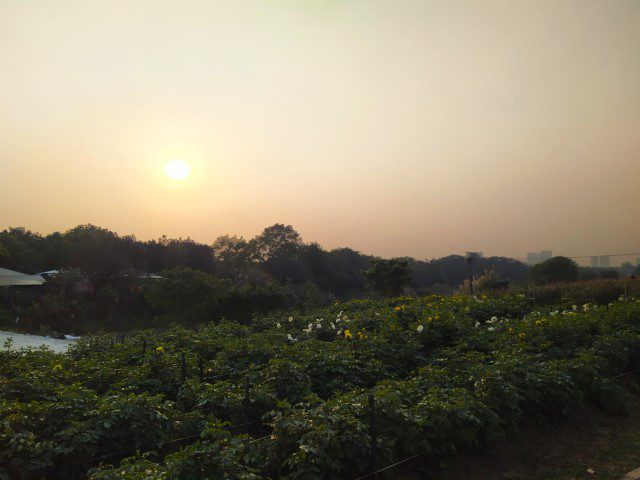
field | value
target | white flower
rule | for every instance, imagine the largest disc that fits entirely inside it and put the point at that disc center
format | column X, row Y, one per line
column 621, row 298
column 377, row 314
column 494, row 319
column 290, row 319
column 477, row 324
column 340, row 314
column 420, row 328
column 491, row 329
column 575, row 307
column 333, row 327
column 278, row 325
column 338, row 319
column 318, row 325
column 339, row 332
column 310, row 326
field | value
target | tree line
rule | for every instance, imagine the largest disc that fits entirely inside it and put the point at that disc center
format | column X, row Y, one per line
column 232, row 277
column 278, row 254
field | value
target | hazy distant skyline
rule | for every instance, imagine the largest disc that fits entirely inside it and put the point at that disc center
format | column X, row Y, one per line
column 393, row 127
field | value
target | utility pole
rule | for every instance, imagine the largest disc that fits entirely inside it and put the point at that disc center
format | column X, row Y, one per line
column 470, row 262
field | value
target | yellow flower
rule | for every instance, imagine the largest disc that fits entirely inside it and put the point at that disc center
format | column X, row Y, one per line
column 347, row 334
column 397, row 309
column 538, row 322
column 437, row 317
column 159, row 350
column 360, row 335
column 510, row 330
column 57, row 367
column 522, row 335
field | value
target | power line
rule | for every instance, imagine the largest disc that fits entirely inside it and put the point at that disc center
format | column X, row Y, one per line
column 576, row 256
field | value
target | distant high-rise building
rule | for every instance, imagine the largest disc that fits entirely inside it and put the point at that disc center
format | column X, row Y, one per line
column 595, row 261
column 533, row 258
column 604, row 261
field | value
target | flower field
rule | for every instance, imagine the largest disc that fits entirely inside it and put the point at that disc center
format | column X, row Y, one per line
column 333, row 394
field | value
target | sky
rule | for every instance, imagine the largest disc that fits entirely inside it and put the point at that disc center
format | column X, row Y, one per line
column 396, row 127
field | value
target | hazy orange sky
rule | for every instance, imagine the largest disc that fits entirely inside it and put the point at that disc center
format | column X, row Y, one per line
column 394, row 127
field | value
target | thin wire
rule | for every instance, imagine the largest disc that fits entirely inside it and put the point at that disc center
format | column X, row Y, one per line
column 169, row 442
column 390, row 466
column 625, row 373
column 580, row 256
column 260, row 438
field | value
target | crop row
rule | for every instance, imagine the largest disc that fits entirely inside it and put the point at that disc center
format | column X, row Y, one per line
column 289, row 396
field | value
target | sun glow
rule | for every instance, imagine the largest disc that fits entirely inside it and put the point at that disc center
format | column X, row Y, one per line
column 177, row 169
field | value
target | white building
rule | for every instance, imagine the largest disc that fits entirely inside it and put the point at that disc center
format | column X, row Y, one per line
column 533, row 258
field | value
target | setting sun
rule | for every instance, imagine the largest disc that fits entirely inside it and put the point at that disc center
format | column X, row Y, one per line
column 177, row 169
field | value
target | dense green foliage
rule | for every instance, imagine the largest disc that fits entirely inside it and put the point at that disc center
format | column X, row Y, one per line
column 448, row 374
column 101, row 274
column 100, row 284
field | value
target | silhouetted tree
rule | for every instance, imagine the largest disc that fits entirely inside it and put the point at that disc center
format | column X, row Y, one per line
column 556, row 269
column 388, row 277
column 276, row 240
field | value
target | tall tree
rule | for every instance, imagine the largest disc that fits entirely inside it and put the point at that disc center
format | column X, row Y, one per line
column 388, row 277
column 556, row 269
column 274, row 241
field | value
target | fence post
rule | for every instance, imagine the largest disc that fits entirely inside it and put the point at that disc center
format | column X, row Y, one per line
column 280, row 381
column 246, row 402
column 533, row 295
column 374, row 435
column 183, row 368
